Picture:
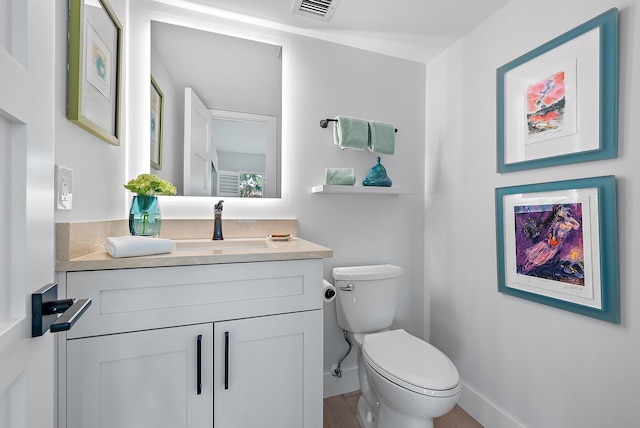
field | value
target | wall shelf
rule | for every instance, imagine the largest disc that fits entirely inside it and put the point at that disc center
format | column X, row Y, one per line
column 358, row 190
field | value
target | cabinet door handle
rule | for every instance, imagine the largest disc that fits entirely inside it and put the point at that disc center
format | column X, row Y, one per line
column 226, row 360
column 199, row 365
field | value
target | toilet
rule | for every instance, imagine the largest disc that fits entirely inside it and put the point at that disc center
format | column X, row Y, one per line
column 405, row 381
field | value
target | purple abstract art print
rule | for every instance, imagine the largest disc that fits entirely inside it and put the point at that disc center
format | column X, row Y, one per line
column 549, row 242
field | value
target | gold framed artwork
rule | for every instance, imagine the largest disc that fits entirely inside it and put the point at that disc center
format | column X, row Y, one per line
column 155, row 139
column 94, row 68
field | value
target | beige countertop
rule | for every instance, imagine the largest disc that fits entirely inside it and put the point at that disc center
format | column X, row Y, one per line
column 79, row 246
column 226, row 252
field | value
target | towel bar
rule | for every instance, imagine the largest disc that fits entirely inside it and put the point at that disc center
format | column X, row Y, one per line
column 325, row 122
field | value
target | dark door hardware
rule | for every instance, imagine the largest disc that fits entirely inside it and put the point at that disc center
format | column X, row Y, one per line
column 226, row 360
column 199, row 365
column 48, row 313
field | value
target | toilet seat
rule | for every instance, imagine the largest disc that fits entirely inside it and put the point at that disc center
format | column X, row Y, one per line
column 411, row 363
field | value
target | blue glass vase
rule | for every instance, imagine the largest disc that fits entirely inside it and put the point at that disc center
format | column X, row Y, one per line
column 144, row 216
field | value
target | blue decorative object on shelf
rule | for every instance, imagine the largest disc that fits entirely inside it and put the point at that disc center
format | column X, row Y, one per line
column 144, row 217
column 377, row 176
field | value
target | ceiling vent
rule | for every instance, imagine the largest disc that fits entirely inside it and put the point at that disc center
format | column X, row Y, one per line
column 316, row 9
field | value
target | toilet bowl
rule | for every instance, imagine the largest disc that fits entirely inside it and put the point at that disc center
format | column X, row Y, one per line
column 415, row 382
column 405, row 381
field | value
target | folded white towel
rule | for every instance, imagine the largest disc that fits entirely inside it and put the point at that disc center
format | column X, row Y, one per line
column 130, row 246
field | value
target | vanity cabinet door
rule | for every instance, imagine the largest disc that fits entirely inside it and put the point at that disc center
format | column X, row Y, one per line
column 268, row 371
column 141, row 379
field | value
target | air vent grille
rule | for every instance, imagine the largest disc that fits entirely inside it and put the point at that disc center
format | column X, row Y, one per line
column 317, row 9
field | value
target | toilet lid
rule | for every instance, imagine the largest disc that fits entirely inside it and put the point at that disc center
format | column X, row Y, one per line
column 410, row 362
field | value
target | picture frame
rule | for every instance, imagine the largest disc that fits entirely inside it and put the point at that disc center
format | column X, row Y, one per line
column 94, row 68
column 548, row 112
column 156, row 122
column 557, row 244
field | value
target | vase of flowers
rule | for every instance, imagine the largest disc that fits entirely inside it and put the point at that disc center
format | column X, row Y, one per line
column 144, row 215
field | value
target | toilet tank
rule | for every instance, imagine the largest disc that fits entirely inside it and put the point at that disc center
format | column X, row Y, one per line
column 367, row 296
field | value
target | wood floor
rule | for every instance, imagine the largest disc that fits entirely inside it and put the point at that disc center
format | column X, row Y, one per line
column 341, row 412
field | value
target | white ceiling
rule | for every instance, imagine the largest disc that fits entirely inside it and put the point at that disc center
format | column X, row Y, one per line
column 412, row 29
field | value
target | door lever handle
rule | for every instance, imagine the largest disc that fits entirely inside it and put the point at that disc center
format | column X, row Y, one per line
column 46, row 311
column 69, row 315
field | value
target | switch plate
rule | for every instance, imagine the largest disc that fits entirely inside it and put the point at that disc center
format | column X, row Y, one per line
column 64, row 188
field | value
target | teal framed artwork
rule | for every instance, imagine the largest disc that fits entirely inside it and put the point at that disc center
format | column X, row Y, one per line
column 94, row 68
column 557, row 244
column 558, row 104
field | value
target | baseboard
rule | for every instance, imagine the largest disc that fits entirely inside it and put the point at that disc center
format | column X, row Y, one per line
column 347, row 383
column 483, row 411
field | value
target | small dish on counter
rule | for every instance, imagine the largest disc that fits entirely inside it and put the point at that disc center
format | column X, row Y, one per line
column 280, row 237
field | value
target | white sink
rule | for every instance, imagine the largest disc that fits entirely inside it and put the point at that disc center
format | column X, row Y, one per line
column 227, row 245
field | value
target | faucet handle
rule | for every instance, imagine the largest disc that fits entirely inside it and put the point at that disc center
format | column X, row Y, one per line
column 218, row 206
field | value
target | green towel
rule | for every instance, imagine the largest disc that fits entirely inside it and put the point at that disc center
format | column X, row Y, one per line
column 343, row 176
column 382, row 138
column 351, row 133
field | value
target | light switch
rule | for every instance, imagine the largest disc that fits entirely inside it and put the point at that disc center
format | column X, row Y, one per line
column 64, row 188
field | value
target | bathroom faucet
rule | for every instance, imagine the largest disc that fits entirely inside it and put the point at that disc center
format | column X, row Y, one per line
column 217, row 222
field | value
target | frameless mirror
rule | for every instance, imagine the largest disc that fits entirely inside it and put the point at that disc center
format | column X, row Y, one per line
column 218, row 125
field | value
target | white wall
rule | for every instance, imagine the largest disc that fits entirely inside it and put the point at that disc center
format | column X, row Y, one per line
column 330, row 80
column 98, row 167
column 524, row 363
column 322, row 80
column 241, row 162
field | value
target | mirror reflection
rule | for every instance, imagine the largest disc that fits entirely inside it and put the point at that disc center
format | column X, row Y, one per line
column 221, row 123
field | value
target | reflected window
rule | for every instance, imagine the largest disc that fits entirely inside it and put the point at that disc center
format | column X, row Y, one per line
column 250, row 185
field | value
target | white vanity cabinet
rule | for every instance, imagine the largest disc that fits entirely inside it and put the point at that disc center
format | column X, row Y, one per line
column 224, row 346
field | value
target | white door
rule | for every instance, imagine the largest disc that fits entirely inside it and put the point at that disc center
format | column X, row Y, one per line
column 267, row 371
column 27, row 87
column 199, row 153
